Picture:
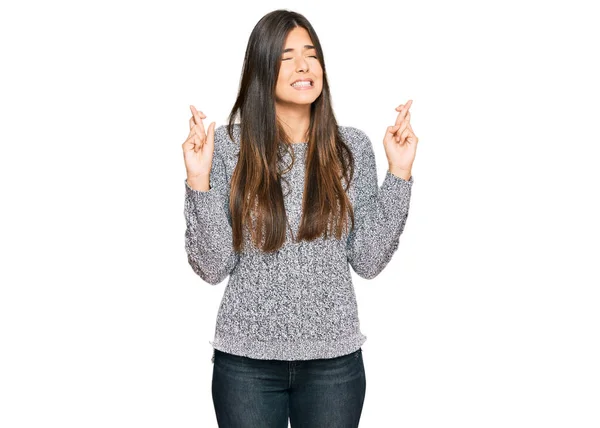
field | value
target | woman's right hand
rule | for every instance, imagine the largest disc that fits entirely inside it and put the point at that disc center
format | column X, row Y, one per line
column 199, row 147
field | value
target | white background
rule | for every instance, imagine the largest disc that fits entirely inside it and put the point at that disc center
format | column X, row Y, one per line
column 487, row 316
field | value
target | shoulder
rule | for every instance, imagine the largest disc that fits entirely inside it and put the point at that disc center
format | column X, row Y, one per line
column 224, row 144
column 356, row 139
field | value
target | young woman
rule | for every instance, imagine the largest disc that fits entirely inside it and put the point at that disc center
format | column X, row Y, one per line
column 284, row 202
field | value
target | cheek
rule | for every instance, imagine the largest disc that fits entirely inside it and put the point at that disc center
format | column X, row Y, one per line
column 280, row 85
column 282, row 79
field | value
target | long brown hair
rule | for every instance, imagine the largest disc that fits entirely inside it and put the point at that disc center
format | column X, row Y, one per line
column 256, row 197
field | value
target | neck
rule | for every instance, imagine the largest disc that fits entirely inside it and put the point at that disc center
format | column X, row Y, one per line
column 295, row 120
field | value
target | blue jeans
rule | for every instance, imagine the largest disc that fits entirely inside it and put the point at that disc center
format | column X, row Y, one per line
column 251, row 393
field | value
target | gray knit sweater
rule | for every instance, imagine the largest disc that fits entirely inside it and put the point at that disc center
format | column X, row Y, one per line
column 299, row 302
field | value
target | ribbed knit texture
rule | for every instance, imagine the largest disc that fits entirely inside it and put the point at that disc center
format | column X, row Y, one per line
column 299, row 302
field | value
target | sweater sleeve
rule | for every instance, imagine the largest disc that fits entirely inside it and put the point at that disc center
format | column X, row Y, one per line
column 379, row 214
column 208, row 235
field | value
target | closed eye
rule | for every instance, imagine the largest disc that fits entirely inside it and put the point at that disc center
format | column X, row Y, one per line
column 311, row 56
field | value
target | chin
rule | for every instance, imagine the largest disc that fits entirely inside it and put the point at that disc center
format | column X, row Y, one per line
column 304, row 99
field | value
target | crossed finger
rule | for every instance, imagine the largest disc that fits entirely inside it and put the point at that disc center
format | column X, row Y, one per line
column 410, row 133
column 403, row 129
column 403, row 112
column 193, row 126
column 196, row 119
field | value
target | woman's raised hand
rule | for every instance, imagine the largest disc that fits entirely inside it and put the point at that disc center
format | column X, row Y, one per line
column 400, row 142
column 199, row 146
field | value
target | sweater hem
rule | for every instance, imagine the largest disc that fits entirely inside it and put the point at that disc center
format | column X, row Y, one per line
column 289, row 350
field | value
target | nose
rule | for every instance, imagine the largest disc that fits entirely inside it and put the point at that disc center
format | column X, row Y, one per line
column 301, row 64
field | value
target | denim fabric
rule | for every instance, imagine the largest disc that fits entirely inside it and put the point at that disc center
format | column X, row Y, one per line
column 253, row 393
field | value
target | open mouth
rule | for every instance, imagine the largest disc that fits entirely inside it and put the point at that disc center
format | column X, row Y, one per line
column 303, row 84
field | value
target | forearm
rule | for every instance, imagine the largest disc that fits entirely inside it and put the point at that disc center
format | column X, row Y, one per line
column 208, row 235
column 376, row 236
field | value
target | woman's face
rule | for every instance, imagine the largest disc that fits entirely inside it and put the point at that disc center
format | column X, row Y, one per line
column 298, row 62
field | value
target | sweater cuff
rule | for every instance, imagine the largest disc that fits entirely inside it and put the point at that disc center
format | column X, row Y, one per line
column 199, row 196
column 394, row 180
column 390, row 175
column 397, row 189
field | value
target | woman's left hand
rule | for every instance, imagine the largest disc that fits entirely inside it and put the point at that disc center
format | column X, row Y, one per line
column 400, row 142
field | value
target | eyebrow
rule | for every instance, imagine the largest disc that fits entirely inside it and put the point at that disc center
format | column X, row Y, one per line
column 305, row 47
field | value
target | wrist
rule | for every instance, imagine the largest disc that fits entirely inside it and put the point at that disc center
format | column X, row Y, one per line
column 199, row 182
column 405, row 174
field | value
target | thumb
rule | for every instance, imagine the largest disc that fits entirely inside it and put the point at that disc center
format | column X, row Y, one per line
column 210, row 135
